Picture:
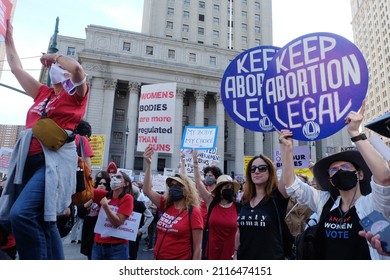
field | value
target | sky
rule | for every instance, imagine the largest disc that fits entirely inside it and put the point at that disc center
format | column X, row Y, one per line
column 34, row 23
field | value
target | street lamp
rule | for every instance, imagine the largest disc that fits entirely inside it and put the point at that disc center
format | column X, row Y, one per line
column 127, row 137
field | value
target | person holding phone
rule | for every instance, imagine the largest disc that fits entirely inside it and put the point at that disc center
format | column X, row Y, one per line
column 357, row 180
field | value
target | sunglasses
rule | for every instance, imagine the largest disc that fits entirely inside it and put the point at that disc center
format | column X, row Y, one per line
column 104, row 184
column 345, row 167
column 261, row 167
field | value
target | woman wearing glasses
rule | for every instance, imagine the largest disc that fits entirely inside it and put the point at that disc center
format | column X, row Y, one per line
column 180, row 228
column 261, row 219
column 118, row 206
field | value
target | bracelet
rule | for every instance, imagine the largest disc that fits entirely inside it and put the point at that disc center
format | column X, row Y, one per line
column 55, row 60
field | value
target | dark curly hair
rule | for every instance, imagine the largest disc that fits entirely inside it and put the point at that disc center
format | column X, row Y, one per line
column 84, row 128
column 213, row 169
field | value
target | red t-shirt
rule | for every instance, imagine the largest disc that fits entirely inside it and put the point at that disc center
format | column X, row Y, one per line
column 125, row 206
column 173, row 233
column 87, row 146
column 66, row 110
column 222, row 231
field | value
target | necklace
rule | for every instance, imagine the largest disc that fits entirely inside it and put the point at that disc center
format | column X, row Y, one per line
column 227, row 205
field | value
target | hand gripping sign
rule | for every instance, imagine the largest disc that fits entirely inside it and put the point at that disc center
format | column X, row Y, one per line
column 241, row 88
column 312, row 83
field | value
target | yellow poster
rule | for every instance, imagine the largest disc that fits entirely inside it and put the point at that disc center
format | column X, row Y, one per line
column 97, row 144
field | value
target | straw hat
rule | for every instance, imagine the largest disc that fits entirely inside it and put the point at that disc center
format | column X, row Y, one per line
column 223, row 180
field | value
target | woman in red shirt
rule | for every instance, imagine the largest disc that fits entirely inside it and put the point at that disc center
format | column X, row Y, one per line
column 180, row 228
column 109, row 247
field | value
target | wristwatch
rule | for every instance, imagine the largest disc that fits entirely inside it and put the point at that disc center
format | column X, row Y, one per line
column 361, row 136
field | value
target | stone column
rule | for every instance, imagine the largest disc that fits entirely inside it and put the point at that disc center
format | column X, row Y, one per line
column 199, row 109
column 239, row 151
column 109, row 98
column 220, row 123
column 180, row 92
column 132, row 118
column 259, row 143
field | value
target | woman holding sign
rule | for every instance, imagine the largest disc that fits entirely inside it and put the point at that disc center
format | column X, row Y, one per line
column 353, row 184
column 117, row 205
column 180, row 228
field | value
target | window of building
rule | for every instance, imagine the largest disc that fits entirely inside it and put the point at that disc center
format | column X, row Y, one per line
column 160, row 164
column 213, row 61
column 206, row 122
column 169, row 25
column 216, row 7
column 257, row 42
column 230, row 23
column 257, row 5
column 202, row 5
column 244, row 15
column 201, row 17
column 186, row 2
column 244, row 2
column 244, row 27
column 200, row 30
column 126, row 46
column 119, row 114
column 257, row 29
column 117, row 137
column 117, row 159
column 257, row 17
column 171, row 54
column 216, row 20
column 138, row 163
column 186, row 14
column 149, row 50
column 71, row 51
column 192, row 57
column 244, row 40
column 171, row 11
column 215, row 34
column 230, row 10
column 186, row 28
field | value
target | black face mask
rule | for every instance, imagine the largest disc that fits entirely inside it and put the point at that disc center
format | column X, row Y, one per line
column 344, row 180
column 228, row 194
column 176, row 193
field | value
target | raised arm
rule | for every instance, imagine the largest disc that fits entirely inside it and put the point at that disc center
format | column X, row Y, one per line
column 286, row 150
column 203, row 192
column 375, row 161
column 28, row 82
column 147, row 186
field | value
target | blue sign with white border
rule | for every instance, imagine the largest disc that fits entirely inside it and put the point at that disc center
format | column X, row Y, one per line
column 241, row 88
column 312, row 83
column 199, row 137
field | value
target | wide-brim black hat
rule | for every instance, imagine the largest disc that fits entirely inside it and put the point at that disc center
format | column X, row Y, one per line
column 380, row 125
column 320, row 170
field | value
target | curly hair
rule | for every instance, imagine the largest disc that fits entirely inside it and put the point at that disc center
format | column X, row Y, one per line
column 191, row 196
column 250, row 187
column 213, row 169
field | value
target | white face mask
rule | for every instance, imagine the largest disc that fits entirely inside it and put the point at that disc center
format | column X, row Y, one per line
column 59, row 75
column 115, row 183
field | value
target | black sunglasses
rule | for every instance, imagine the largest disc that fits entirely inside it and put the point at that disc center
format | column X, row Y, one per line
column 102, row 183
column 261, row 167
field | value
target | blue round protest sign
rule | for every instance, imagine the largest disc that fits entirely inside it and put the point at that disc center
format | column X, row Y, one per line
column 241, row 88
column 312, row 83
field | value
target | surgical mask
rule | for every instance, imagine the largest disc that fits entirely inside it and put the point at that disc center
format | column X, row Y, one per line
column 176, row 193
column 228, row 194
column 209, row 181
column 344, row 180
column 59, row 75
column 115, row 183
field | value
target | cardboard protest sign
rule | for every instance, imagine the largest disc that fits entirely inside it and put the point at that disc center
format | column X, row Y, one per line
column 199, row 137
column 156, row 118
column 312, row 83
column 205, row 158
column 97, row 145
column 5, row 158
column 301, row 157
column 5, row 14
column 128, row 230
column 241, row 88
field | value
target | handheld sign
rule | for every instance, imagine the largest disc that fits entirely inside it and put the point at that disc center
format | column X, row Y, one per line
column 241, row 88
column 312, row 83
column 199, row 137
column 5, row 14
